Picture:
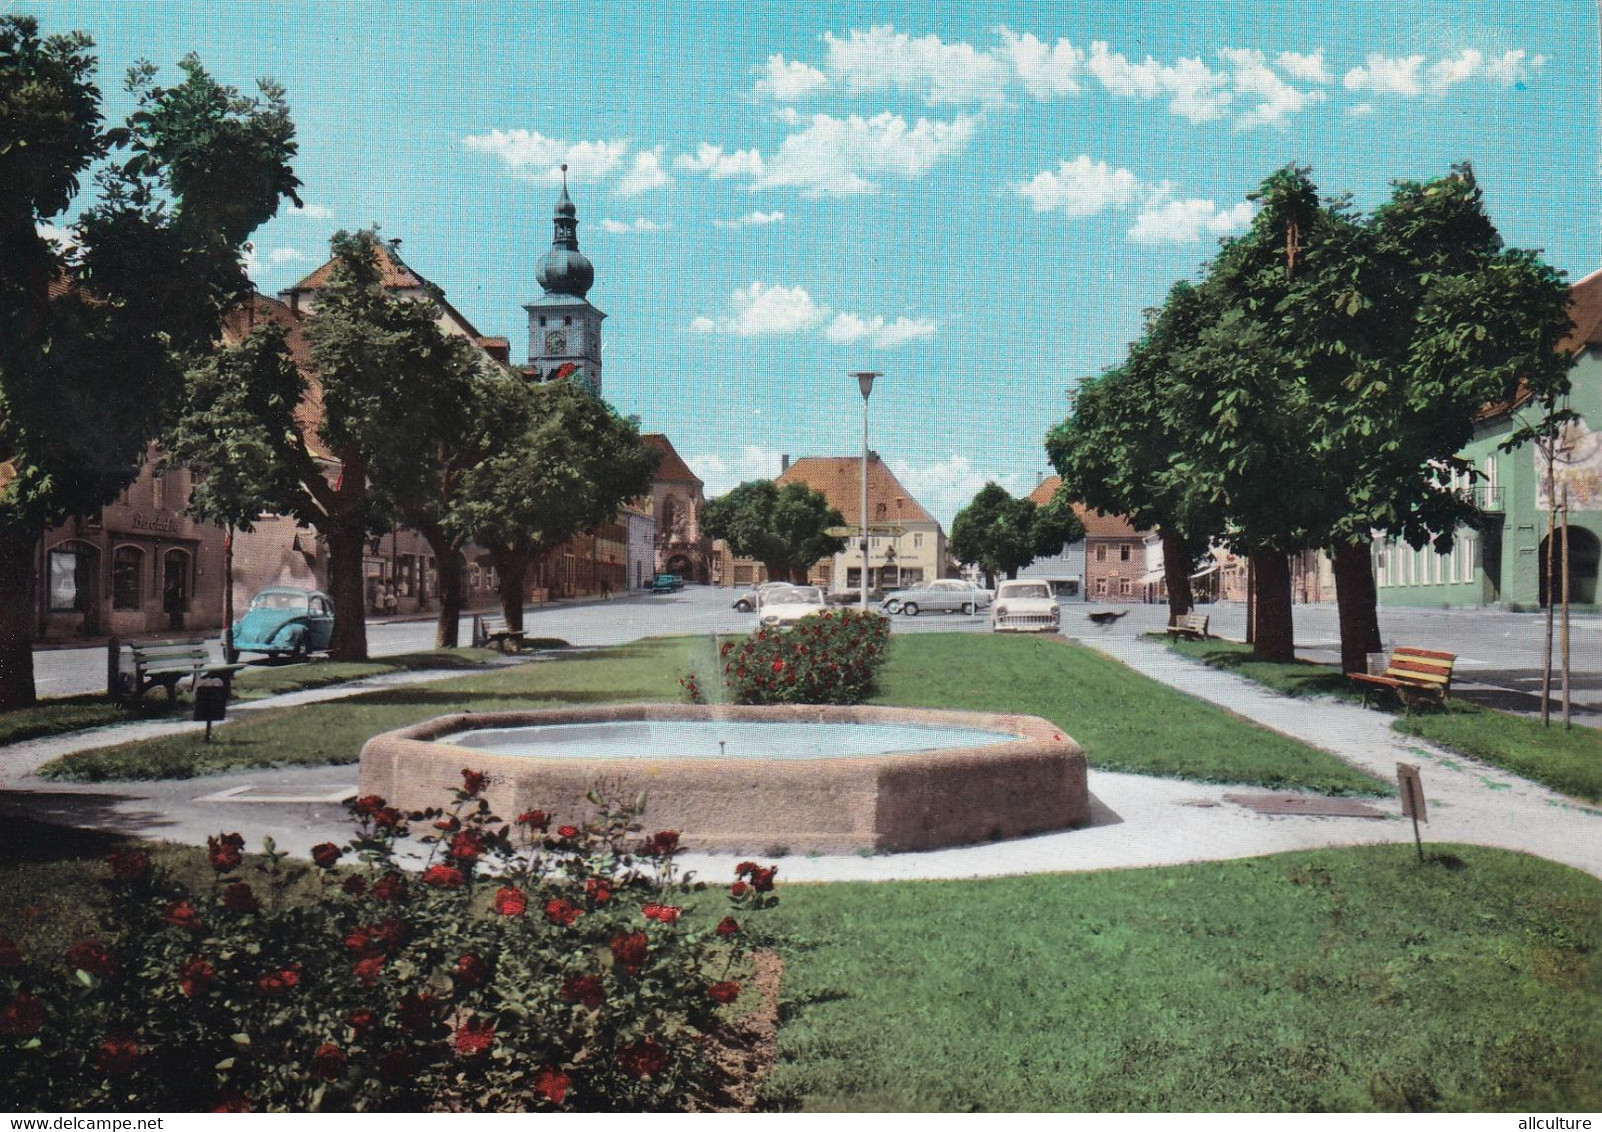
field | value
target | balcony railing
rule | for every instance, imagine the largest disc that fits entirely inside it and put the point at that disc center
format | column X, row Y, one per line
column 1487, row 498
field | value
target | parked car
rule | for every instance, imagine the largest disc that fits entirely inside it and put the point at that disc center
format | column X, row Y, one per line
column 1027, row 606
column 286, row 622
column 948, row 595
column 786, row 607
column 667, row 584
column 854, row 597
column 753, row 599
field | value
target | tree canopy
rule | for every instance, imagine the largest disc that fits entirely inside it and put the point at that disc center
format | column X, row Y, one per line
column 1002, row 535
column 784, row 528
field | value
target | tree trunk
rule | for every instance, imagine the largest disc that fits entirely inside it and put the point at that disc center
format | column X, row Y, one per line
column 16, row 620
column 512, row 567
column 452, row 573
column 1546, row 651
column 230, row 654
column 1276, row 635
column 1358, row 603
column 345, row 546
column 1564, row 648
column 1176, row 572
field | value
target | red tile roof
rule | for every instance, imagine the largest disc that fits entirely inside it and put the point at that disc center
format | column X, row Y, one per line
column 672, row 469
column 1585, row 313
column 394, row 271
column 242, row 320
column 839, row 479
column 1044, row 490
column 1097, row 525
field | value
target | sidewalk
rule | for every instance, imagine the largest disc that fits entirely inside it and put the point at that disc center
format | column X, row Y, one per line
column 1137, row 821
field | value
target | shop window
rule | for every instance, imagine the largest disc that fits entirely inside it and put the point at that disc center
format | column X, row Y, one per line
column 127, row 572
column 71, row 577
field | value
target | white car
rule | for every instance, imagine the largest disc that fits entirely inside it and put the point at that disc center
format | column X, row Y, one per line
column 753, row 599
column 951, row 595
column 786, row 607
column 1027, row 606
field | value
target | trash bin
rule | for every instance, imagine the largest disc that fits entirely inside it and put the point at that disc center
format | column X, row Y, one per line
column 1378, row 662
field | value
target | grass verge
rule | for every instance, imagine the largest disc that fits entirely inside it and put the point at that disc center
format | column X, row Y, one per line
column 1568, row 761
column 1123, row 720
column 1346, row 980
column 333, row 732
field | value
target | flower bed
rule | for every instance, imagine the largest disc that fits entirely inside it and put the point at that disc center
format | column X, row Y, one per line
column 831, row 657
column 525, row 967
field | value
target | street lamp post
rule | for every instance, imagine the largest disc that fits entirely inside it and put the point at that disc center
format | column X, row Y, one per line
column 865, row 383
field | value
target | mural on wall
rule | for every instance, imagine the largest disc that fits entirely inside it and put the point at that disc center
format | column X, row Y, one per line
column 1578, row 475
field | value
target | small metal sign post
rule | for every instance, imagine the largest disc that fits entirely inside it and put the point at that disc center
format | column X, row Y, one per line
column 211, row 701
column 1412, row 791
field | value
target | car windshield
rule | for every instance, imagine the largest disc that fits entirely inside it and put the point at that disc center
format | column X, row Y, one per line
column 279, row 601
column 1031, row 590
column 802, row 595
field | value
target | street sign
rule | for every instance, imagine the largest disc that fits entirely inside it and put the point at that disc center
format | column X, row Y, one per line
column 884, row 530
column 1412, row 791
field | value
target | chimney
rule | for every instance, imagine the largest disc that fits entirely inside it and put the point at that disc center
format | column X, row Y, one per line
column 784, row 463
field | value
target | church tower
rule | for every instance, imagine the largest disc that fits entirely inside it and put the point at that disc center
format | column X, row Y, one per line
column 564, row 330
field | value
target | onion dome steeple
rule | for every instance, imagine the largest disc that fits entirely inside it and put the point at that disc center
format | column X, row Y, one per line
column 564, row 270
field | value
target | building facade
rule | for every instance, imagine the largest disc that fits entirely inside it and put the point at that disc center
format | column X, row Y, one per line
column 1064, row 570
column 677, row 497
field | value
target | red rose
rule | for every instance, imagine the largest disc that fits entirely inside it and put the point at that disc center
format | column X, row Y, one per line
column 630, row 950
column 390, row 886
column 327, row 854
column 359, row 942
column 116, row 1055
column 389, row 817
column 537, row 818
column 361, row 1021
column 231, row 1100
column 443, row 876
column 88, row 955
column 448, row 824
column 473, row 781
column 9, row 955
column 355, row 886
column 238, row 897
column 368, row 805
column 394, row 1066
column 598, row 890
column 567, row 831
column 642, row 1059
column 723, row 992
column 474, row 1037
column 416, row 1012
column 275, row 983
column 761, row 878
column 329, row 1062
column 22, row 1016
column 367, row 970
column 471, row 971
column 728, row 926
column 738, row 888
column 778, row 666
column 128, row 865
column 551, row 1084
column 562, row 912
column 391, row 934
column 662, row 913
column 510, row 902
column 466, row 846
column 224, row 851
column 196, row 976
column 182, row 914
column 662, row 843
column 586, row 989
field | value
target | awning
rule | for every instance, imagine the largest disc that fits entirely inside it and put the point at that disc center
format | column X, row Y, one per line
column 1152, row 578
column 1213, row 569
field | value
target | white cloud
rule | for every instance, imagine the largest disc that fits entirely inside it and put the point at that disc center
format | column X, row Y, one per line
column 532, row 156
column 1308, row 68
column 1187, row 221
column 1446, row 72
column 1044, row 71
column 750, row 220
column 720, row 474
column 1277, row 100
column 638, row 224
column 1081, row 187
column 1386, row 75
column 882, row 58
column 945, row 487
column 1512, row 68
column 311, row 212
column 644, row 175
column 1195, row 91
column 279, row 256
column 787, row 80
column 763, row 309
column 57, row 235
column 711, row 160
column 847, row 328
column 843, row 155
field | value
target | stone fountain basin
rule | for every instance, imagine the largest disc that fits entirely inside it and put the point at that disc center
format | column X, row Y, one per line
column 1031, row 779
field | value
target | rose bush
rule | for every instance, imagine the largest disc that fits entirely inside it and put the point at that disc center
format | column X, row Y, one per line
column 518, row 969
column 831, row 657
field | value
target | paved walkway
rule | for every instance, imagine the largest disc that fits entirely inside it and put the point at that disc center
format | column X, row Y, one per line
column 1137, row 820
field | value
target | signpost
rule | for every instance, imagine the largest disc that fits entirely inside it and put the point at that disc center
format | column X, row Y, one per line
column 887, row 530
column 1412, row 791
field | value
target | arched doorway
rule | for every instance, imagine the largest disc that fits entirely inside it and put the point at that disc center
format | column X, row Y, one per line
column 1585, row 552
column 175, row 586
column 74, row 584
column 681, row 565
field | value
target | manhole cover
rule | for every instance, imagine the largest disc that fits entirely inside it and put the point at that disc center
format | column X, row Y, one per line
column 310, row 795
column 1303, row 806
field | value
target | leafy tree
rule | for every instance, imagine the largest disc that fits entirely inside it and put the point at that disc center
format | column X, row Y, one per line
column 559, row 462
column 784, row 528
column 1003, row 534
column 95, row 338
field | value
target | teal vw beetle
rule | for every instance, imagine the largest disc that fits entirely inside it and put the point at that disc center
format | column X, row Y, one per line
column 286, row 622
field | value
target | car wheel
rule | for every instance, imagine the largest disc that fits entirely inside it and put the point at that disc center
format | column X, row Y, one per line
column 297, row 650
column 910, row 609
column 967, row 609
column 892, row 607
column 743, row 606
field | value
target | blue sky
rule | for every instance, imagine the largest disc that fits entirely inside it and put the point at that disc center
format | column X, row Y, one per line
column 975, row 199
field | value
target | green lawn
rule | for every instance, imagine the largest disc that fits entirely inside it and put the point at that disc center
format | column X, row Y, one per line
column 1124, row 720
column 1569, row 761
column 1350, row 979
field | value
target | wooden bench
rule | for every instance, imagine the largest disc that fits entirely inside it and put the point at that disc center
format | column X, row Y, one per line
column 1191, row 626
column 164, row 664
column 1414, row 675
column 494, row 631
